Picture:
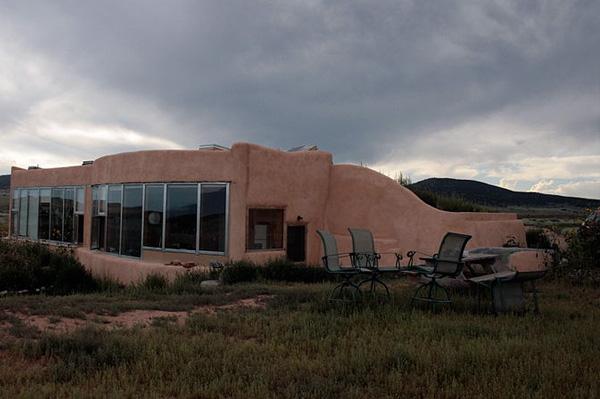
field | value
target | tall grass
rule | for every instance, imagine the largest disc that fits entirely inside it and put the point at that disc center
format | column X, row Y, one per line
column 303, row 346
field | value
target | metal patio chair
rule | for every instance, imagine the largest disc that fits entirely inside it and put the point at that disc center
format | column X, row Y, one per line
column 331, row 261
column 365, row 259
column 447, row 263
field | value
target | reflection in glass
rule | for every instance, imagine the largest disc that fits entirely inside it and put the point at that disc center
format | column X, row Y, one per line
column 182, row 210
column 44, row 217
column 212, row 218
column 23, row 212
column 132, row 221
column 113, row 219
column 153, row 216
column 56, row 214
column 32, row 217
column 69, row 205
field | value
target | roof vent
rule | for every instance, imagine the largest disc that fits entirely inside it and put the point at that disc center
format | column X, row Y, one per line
column 213, row 147
column 304, row 148
column 34, row 167
column 87, row 163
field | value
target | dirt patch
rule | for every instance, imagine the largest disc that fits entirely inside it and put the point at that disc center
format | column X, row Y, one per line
column 139, row 318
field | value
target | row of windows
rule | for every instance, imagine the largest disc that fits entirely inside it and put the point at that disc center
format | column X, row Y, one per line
column 165, row 216
column 191, row 217
column 54, row 214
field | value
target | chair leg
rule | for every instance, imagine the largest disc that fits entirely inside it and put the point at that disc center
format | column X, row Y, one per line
column 373, row 281
column 339, row 289
column 431, row 288
column 534, row 291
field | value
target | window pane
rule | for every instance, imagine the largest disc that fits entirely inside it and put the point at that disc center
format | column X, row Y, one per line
column 56, row 214
column 44, row 217
column 14, row 216
column 265, row 229
column 113, row 219
column 212, row 218
column 23, row 212
column 80, row 204
column 68, row 214
column 32, row 218
column 153, row 216
column 99, row 194
column 132, row 221
column 182, row 210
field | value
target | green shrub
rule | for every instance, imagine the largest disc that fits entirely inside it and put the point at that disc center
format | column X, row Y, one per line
column 30, row 266
column 582, row 258
column 241, row 271
column 279, row 269
column 537, row 238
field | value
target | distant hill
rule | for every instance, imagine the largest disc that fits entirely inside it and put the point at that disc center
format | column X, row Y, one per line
column 497, row 197
column 4, row 181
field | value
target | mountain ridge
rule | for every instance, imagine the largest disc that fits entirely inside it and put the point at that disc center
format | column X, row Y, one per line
column 493, row 196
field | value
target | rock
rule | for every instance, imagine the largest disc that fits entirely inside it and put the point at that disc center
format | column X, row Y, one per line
column 210, row 283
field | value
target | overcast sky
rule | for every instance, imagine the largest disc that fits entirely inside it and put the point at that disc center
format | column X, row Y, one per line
column 504, row 92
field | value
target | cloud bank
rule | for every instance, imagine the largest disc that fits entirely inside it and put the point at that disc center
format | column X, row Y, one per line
column 505, row 92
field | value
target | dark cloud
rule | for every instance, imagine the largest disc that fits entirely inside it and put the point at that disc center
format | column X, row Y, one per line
column 360, row 79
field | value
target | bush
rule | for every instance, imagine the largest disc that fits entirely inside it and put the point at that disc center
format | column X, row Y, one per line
column 32, row 266
column 242, row 271
column 537, row 238
column 279, row 269
column 583, row 255
column 282, row 269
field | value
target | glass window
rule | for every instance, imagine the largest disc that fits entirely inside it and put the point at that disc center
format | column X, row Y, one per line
column 265, row 229
column 33, row 210
column 131, row 244
column 113, row 219
column 14, row 216
column 80, row 200
column 153, row 216
column 56, row 214
column 69, row 208
column 181, row 218
column 213, row 217
column 44, row 216
column 23, row 212
column 99, row 195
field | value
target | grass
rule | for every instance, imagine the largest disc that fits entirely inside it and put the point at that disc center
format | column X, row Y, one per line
column 303, row 346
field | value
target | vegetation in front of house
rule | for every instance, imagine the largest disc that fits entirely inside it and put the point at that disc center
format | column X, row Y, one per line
column 29, row 267
column 303, row 346
column 278, row 269
column 300, row 345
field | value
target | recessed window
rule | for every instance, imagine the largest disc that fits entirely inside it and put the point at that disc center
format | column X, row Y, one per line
column 265, row 229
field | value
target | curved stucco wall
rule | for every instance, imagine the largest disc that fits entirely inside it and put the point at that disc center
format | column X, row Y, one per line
column 362, row 198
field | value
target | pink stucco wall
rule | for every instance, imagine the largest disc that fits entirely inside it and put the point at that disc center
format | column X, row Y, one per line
column 306, row 184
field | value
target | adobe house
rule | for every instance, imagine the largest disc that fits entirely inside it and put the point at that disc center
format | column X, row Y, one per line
column 129, row 214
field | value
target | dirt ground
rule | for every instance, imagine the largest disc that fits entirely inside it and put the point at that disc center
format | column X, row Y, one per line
column 139, row 318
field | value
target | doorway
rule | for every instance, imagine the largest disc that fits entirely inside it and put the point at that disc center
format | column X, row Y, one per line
column 296, row 243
